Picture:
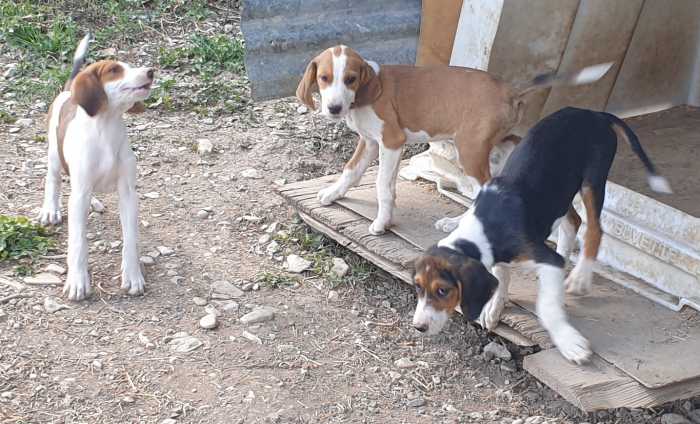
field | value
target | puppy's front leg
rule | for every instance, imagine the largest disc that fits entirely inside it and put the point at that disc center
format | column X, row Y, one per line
column 132, row 278
column 77, row 285
column 365, row 152
column 491, row 314
column 386, row 189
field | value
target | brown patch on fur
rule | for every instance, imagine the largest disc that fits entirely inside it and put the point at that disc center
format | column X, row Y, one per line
column 593, row 230
column 88, row 87
column 357, row 156
column 65, row 116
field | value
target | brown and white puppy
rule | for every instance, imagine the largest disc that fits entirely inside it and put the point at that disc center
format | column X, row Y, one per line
column 392, row 105
column 566, row 153
column 87, row 140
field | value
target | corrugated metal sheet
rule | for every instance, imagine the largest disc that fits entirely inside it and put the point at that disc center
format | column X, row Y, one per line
column 281, row 36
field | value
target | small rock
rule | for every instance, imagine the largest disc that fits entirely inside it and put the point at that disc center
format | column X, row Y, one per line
column 272, row 248
column 204, row 146
column 497, row 350
column 251, row 218
column 152, row 195
column 534, row 420
column 247, row 287
column 297, row 264
column 7, row 395
column 225, row 290
column 416, row 403
column 24, row 122
column 258, row 315
column 43, row 278
column 394, row 375
column 144, row 340
column 302, row 110
column 209, row 322
column 404, row 363
column 199, row 301
column 128, row 400
column 202, row 214
column 251, row 173
column 115, row 244
column 340, row 267
column 228, row 28
column 229, row 306
column 13, row 130
column 183, row 343
column 147, row 260
column 674, row 419
column 333, row 296
column 52, row 305
column 264, row 239
column 169, row 421
column 165, row 251
column 252, row 337
column 56, row 269
column 97, row 364
column 518, row 421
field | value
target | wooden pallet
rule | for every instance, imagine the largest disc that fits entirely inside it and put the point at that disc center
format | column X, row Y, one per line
column 598, row 385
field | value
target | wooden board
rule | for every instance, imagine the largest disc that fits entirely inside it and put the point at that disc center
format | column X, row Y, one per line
column 640, row 337
column 600, row 385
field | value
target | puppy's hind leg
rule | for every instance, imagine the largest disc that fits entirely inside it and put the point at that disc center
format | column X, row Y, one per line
column 580, row 279
column 51, row 208
column 566, row 237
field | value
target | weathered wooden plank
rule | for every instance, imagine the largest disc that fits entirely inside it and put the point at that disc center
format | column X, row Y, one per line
column 600, row 385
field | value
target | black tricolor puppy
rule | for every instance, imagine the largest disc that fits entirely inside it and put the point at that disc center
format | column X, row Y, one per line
column 567, row 152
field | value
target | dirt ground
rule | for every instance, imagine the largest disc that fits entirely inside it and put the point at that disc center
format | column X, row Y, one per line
column 112, row 359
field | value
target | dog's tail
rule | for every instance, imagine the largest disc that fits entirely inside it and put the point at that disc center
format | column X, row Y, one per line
column 586, row 75
column 79, row 56
column 656, row 182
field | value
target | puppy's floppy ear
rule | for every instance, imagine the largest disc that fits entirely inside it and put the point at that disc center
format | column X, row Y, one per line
column 87, row 91
column 477, row 285
column 370, row 88
column 308, row 85
column 138, row 107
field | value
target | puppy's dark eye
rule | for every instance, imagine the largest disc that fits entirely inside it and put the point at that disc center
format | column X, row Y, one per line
column 324, row 78
column 442, row 292
column 349, row 80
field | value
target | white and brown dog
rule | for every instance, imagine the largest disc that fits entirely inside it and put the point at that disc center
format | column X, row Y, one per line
column 568, row 152
column 392, row 105
column 87, row 139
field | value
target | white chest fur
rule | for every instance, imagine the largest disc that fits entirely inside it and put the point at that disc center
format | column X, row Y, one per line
column 366, row 122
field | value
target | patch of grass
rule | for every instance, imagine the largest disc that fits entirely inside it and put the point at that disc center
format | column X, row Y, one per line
column 19, row 238
column 6, row 117
column 206, row 55
column 275, row 280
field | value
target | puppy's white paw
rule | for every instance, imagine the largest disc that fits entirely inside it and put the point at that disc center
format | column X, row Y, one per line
column 133, row 282
column 50, row 215
column 447, row 224
column 77, row 285
column 572, row 345
column 580, row 279
column 329, row 195
column 491, row 314
column 379, row 226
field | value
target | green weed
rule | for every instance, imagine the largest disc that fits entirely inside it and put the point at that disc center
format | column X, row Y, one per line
column 19, row 238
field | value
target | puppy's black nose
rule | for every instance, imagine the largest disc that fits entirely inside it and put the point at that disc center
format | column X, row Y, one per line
column 422, row 328
column 150, row 73
column 335, row 109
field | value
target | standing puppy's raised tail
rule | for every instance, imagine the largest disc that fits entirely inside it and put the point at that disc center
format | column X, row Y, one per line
column 79, row 59
column 586, row 75
column 656, row 182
